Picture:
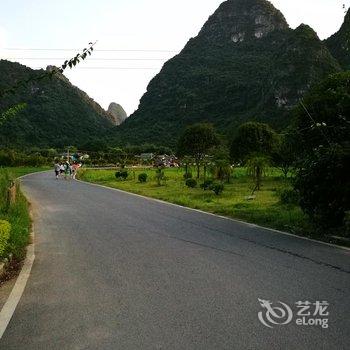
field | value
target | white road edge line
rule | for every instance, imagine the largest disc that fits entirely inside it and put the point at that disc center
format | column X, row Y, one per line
column 217, row 216
column 13, row 299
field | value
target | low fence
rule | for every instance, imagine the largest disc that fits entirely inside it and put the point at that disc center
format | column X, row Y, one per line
column 12, row 193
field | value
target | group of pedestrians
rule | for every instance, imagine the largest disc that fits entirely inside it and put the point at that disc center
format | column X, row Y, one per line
column 66, row 170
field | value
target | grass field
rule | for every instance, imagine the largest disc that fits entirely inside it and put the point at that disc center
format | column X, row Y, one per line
column 266, row 209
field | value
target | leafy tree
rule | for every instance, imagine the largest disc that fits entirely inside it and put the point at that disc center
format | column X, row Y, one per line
column 322, row 118
column 324, row 186
column 221, row 164
column 322, row 131
column 196, row 141
column 186, row 162
column 160, row 176
column 284, row 157
column 253, row 138
column 256, row 166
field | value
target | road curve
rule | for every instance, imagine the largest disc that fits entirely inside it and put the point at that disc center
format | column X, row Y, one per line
column 116, row 271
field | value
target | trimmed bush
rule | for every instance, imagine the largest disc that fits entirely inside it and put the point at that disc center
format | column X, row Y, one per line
column 5, row 229
column 191, row 183
column 143, row 177
column 289, row 196
column 121, row 175
column 187, row 176
column 217, row 188
column 206, row 185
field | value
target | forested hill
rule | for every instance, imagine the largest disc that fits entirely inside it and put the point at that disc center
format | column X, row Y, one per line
column 245, row 64
column 339, row 43
column 57, row 113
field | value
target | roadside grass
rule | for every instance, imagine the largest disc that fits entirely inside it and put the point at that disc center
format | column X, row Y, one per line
column 19, row 218
column 20, row 171
column 266, row 209
column 16, row 213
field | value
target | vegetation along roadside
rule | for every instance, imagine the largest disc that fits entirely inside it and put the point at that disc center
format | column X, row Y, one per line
column 15, row 222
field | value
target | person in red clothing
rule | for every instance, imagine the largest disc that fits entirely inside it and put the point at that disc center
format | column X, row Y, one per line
column 75, row 168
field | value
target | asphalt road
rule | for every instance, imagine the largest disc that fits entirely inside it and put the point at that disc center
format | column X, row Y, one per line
column 116, row 271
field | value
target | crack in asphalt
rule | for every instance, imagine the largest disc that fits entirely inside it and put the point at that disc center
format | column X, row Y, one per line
column 260, row 244
column 207, row 246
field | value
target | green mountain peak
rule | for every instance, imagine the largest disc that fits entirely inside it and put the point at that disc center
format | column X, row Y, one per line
column 246, row 64
column 239, row 20
column 339, row 43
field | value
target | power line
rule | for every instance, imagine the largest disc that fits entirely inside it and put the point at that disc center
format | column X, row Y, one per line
column 90, row 59
column 113, row 68
column 96, row 50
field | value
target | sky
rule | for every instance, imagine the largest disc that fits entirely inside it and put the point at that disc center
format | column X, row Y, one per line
column 134, row 37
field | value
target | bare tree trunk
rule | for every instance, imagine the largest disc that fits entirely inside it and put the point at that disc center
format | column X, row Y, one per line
column 258, row 177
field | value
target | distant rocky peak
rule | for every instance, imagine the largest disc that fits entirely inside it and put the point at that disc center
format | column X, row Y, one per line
column 117, row 113
column 239, row 20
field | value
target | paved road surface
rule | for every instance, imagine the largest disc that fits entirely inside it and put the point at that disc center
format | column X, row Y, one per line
column 115, row 271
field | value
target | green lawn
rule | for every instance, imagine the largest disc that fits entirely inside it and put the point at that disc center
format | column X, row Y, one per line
column 265, row 209
column 20, row 171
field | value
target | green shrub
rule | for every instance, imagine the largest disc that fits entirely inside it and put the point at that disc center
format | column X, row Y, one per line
column 206, row 185
column 191, row 183
column 217, row 188
column 121, row 175
column 143, row 177
column 5, row 229
column 289, row 196
column 188, row 176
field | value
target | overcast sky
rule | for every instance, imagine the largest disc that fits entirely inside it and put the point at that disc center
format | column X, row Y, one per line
column 159, row 27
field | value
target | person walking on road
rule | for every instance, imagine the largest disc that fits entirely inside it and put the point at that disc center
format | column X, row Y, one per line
column 75, row 168
column 67, row 170
column 61, row 169
column 57, row 167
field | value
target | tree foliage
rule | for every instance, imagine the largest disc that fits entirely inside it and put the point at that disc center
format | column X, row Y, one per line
column 196, row 141
column 324, row 186
column 322, row 131
column 323, row 117
column 253, row 139
column 284, row 157
column 256, row 166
